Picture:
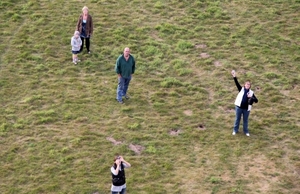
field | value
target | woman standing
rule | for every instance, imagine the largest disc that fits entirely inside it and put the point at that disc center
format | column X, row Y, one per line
column 85, row 27
column 244, row 98
column 118, row 175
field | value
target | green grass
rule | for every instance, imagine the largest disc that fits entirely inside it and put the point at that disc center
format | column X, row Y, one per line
column 57, row 120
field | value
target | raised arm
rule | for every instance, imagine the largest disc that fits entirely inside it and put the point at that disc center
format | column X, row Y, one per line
column 239, row 87
column 124, row 161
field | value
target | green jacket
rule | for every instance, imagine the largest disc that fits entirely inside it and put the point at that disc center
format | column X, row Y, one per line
column 125, row 68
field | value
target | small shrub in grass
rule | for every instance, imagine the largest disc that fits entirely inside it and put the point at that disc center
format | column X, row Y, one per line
column 159, row 5
column 295, row 158
column 177, row 63
column 251, row 56
column 184, row 71
column 171, row 81
column 158, row 104
column 295, row 80
column 166, row 28
column 18, row 126
column 271, row 75
column 133, row 126
column 184, row 46
column 151, row 50
column 151, row 149
column 249, row 75
column 68, row 116
column 45, row 120
column 16, row 17
column 126, row 109
column 276, row 98
column 214, row 180
column 156, row 62
column 4, row 127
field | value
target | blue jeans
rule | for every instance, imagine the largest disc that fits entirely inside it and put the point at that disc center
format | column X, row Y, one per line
column 238, row 114
column 123, row 84
column 122, row 192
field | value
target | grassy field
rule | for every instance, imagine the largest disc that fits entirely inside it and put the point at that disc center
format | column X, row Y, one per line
column 60, row 125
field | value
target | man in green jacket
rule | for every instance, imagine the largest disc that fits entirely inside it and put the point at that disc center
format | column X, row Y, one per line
column 125, row 67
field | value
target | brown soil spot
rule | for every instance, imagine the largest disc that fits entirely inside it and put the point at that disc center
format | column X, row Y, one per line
column 188, row 112
column 113, row 141
column 260, row 169
column 200, row 46
column 217, row 63
column 174, row 132
column 285, row 92
column 204, row 55
column 297, row 171
column 230, row 110
column 136, row 148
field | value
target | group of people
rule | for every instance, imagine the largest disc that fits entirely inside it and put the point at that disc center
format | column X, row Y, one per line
column 125, row 67
column 125, row 64
column 83, row 32
column 243, row 104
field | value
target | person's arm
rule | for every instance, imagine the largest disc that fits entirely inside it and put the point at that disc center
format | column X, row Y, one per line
column 124, row 161
column 78, row 23
column 133, row 66
column 117, row 68
column 92, row 26
column 116, row 171
column 239, row 87
column 254, row 99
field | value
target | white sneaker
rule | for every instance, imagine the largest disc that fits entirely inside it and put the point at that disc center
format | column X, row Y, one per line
column 233, row 133
column 75, row 62
column 247, row 134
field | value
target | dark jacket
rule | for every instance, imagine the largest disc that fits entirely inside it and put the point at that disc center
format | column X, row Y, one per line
column 119, row 180
column 125, row 68
column 89, row 25
column 250, row 101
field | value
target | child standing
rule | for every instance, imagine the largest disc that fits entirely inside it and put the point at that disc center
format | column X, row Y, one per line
column 76, row 44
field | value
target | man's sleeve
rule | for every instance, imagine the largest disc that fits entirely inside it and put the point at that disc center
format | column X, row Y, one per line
column 133, row 66
column 117, row 67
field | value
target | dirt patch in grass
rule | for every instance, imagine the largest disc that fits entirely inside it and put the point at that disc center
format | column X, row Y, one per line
column 204, row 55
column 115, row 142
column 217, row 63
column 188, row 112
column 136, row 148
column 230, row 110
column 200, row 46
column 174, row 131
column 285, row 92
column 261, row 171
column 155, row 36
column 297, row 171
